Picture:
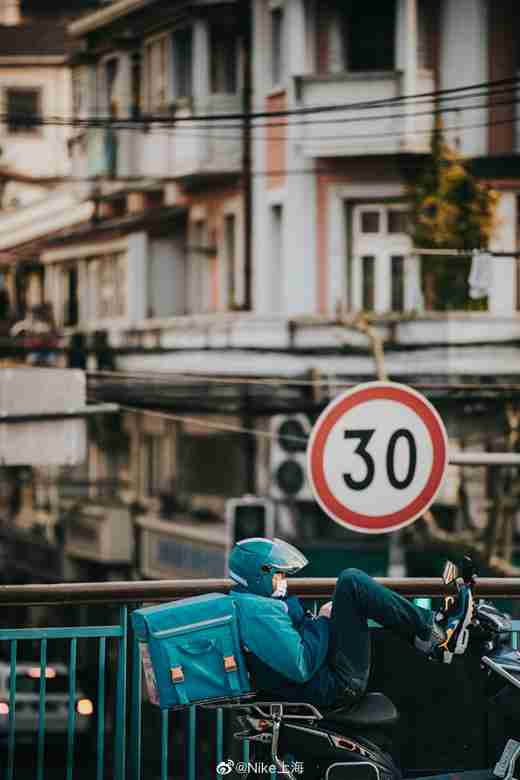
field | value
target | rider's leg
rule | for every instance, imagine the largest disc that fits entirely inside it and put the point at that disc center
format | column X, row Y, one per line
column 357, row 599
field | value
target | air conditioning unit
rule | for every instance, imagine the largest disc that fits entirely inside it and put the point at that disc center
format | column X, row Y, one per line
column 101, row 533
column 288, row 461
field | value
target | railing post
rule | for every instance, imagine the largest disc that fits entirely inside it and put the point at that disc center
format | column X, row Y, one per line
column 120, row 736
column 135, row 713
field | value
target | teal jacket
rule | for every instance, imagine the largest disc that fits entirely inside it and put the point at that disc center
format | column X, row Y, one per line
column 286, row 649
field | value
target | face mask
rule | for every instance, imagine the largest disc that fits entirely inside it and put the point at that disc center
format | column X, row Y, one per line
column 280, row 591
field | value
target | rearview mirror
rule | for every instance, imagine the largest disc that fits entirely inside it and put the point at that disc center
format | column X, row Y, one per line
column 450, row 572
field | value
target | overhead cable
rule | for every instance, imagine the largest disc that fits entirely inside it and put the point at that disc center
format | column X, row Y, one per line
column 220, row 117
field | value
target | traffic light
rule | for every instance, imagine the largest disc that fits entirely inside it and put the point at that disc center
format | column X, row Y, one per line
column 288, row 463
column 248, row 516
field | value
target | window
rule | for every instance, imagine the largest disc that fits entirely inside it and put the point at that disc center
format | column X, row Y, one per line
column 230, row 249
column 223, row 60
column 426, row 22
column 370, row 222
column 397, row 221
column 155, row 74
column 182, row 63
column 397, row 269
column 23, row 110
column 276, row 259
column 369, row 35
column 277, row 46
column 70, row 297
column 78, row 92
column 198, row 455
column 198, row 270
column 111, row 296
column 135, row 85
column 107, row 286
column 368, row 282
column 111, row 69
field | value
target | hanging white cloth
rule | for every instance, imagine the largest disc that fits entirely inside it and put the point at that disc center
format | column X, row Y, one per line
column 480, row 275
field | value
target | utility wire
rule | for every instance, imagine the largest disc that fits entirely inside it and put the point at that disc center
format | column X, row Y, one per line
column 170, row 122
column 283, row 171
column 217, row 118
column 188, row 133
column 290, row 171
column 225, row 427
column 189, row 378
column 214, row 134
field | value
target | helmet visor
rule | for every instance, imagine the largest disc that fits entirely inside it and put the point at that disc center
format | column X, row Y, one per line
column 285, row 557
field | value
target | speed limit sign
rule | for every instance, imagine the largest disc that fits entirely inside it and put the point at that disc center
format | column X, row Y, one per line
column 377, row 456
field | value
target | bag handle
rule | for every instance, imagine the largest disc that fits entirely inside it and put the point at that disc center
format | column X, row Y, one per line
column 197, row 648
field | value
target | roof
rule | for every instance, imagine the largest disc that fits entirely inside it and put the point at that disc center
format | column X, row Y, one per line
column 118, row 226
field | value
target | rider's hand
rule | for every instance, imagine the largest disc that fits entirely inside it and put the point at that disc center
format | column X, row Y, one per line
column 325, row 609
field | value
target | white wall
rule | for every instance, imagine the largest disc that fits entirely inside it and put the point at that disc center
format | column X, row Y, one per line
column 43, row 153
column 502, row 299
column 137, row 277
column 464, row 61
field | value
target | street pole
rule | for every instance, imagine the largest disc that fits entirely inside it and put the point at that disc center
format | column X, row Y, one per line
column 247, row 188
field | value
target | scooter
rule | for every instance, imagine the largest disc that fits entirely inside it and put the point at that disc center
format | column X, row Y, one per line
column 296, row 741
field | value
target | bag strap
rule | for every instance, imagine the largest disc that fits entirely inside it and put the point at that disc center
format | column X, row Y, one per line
column 230, row 664
column 177, row 675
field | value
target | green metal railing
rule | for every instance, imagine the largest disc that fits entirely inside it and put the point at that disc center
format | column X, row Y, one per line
column 117, row 752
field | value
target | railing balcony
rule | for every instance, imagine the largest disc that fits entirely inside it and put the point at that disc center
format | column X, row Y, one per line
column 171, row 148
column 99, row 657
column 355, row 132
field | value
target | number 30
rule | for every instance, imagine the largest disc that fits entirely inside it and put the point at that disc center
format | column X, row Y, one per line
column 364, row 437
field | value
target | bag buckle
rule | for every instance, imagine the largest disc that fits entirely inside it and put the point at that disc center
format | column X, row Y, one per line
column 230, row 665
column 177, row 674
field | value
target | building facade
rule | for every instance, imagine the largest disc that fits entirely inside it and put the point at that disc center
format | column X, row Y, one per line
column 161, row 264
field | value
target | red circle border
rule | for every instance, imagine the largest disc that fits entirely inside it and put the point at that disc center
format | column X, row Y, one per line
column 392, row 520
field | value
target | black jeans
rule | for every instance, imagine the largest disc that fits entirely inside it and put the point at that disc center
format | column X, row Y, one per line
column 357, row 599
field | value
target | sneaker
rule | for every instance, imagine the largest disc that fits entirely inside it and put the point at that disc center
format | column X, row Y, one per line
column 450, row 627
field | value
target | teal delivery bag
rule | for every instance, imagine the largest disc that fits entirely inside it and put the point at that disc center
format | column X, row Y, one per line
column 191, row 651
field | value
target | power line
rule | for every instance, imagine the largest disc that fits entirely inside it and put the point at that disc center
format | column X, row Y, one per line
column 225, row 427
column 189, row 378
column 217, row 118
column 186, row 133
column 293, row 171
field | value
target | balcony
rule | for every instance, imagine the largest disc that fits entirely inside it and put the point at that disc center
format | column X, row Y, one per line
column 340, row 136
column 182, row 150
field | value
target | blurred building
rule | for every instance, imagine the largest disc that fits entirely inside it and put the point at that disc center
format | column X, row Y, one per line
column 220, row 248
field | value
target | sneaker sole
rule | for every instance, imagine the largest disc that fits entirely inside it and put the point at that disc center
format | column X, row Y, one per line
column 463, row 635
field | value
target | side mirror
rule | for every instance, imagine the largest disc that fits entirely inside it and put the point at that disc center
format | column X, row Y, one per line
column 450, row 572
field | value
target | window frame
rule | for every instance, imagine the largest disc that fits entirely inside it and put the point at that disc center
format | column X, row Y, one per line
column 173, row 62
column 214, row 33
column 37, row 128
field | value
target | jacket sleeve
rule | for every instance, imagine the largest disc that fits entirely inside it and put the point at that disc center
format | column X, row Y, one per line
column 272, row 637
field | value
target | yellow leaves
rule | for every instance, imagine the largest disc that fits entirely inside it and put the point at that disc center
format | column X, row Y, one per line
column 450, row 207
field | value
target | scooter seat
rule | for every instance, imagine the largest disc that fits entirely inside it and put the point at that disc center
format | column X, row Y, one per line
column 374, row 709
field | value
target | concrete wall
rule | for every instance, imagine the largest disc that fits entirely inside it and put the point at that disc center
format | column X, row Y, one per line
column 42, row 153
column 463, row 61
